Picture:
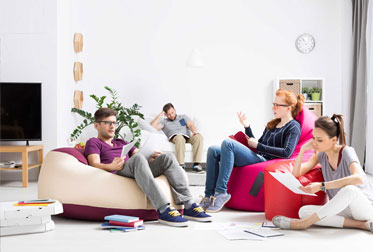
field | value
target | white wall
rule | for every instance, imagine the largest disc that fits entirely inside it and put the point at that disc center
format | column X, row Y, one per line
column 141, row 48
column 28, row 53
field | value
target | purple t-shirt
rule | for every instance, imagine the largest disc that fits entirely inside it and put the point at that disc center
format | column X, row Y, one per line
column 107, row 152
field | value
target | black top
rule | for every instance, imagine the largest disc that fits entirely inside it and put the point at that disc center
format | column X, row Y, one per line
column 278, row 142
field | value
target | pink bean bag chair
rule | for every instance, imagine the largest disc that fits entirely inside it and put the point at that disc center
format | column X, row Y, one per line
column 246, row 183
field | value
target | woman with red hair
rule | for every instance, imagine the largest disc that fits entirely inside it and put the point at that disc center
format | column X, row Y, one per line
column 279, row 139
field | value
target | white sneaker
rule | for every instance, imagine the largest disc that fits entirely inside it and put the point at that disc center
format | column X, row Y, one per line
column 281, row 222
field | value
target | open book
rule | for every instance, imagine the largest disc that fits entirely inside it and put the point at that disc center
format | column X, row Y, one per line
column 241, row 137
column 178, row 134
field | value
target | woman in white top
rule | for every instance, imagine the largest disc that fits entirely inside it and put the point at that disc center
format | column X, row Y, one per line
column 350, row 194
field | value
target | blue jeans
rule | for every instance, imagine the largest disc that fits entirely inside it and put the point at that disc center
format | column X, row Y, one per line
column 230, row 154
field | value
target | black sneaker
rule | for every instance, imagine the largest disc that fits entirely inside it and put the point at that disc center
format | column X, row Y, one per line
column 183, row 166
column 197, row 168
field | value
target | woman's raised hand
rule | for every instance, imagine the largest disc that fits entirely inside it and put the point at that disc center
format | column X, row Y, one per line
column 243, row 119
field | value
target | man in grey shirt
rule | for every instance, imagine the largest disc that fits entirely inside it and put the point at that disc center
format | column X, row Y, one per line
column 177, row 127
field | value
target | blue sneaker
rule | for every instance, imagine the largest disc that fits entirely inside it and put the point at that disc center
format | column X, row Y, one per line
column 205, row 202
column 196, row 213
column 218, row 202
column 173, row 218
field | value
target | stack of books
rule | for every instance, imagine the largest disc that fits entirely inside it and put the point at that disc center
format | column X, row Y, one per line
column 123, row 223
column 33, row 216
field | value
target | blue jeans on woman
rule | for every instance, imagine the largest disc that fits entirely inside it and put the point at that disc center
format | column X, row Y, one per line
column 230, row 154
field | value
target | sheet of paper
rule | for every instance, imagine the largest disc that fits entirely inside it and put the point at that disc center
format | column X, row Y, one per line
column 209, row 226
column 239, row 234
column 149, row 147
column 288, row 180
column 226, row 226
column 127, row 148
column 236, row 225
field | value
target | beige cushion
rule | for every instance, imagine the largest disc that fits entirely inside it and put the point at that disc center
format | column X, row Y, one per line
column 64, row 178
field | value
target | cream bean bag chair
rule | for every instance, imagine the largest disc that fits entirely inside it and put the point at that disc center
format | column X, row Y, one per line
column 90, row 193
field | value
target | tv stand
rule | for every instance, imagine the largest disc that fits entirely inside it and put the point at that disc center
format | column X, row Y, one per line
column 24, row 149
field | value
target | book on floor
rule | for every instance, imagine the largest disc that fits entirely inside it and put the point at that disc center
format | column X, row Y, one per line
column 121, row 218
column 125, row 229
column 34, row 202
column 127, row 224
column 39, row 201
column 107, row 225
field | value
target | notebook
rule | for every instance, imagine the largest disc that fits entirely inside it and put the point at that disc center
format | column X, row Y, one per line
column 121, row 218
column 263, row 232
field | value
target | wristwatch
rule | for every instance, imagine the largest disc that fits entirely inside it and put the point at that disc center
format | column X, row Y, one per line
column 323, row 187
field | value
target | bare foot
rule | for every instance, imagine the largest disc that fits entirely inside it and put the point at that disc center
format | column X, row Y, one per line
column 297, row 224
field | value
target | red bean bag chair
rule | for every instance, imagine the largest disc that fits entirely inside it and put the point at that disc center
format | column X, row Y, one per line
column 246, row 182
column 279, row 200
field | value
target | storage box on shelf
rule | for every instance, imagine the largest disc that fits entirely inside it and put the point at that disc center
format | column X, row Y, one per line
column 310, row 86
column 316, row 108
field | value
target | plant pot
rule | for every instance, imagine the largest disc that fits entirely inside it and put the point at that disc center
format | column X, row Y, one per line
column 315, row 96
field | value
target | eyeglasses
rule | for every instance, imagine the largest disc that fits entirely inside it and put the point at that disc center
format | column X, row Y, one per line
column 109, row 123
column 276, row 105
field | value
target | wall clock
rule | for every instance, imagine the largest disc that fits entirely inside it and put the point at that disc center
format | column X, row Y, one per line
column 305, row 43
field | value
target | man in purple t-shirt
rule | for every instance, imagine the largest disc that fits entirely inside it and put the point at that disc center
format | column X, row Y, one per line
column 104, row 152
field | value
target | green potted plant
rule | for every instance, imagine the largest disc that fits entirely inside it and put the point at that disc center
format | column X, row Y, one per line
column 306, row 92
column 125, row 116
column 316, row 93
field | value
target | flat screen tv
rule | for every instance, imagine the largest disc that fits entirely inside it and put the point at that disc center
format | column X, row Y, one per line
column 20, row 111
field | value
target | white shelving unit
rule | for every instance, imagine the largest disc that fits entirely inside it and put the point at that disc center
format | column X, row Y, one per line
column 296, row 85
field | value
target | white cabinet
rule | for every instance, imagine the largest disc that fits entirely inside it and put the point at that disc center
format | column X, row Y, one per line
column 311, row 85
